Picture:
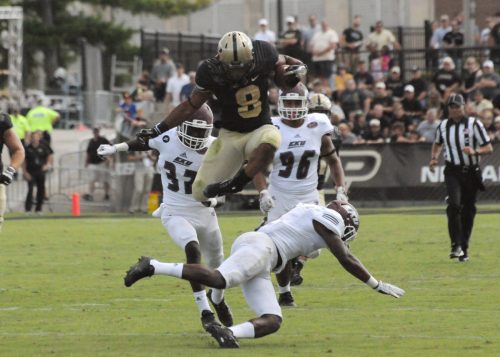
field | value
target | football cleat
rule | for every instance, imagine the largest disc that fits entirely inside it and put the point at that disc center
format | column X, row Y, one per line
column 223, row 336
column 296, row 279
column 464, row 257
column 207, row 318
column 456, row 253
column 141, row 269
column 223, row 312
column 286, row 299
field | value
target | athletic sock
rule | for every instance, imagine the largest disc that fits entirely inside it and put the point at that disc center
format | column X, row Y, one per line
column 244, row 330
column 172, row 269
column 217, row 295
column 200, row 297
column 284, row 289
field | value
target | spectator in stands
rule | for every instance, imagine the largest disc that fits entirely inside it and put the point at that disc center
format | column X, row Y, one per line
column 489, row 82
column 162, row 70
column 398, row 133
column 446, row 80
column 419, row 84
column 486, row 118
column 472, row 76
column 174, row 87
column 496, row 135
column 386, row 60
column 359, row 125
column 427, row 128
column 145, row 107
column 341, row 78
column 307, row 34
column 323, row 45
column 346, row 136
column 127, row 107
column 375, row 134
column 143, row 180
column 453, row 41
column 364, row 80
column 291, row 40
column 479, row 103
column 264, row 34
column 411, row 105
column 351, row 99
column 43, row 119
column 20, row 124
column 384, row 120
column 440, row 32
column 494, row 41
column 399, row 115
column 187, row 89
column 381, row 97
column 142, row 84
column 435, row 101
column 394, row 84
column 381, row 37
column 132, row 120
column 376, row 66
column 39, row 160
column 351, row 42
column 97, row 165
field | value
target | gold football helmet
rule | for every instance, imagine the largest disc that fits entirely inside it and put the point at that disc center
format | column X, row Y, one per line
column 235, row 52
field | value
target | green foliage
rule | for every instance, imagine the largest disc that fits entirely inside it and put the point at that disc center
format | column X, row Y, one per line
column 62, row 293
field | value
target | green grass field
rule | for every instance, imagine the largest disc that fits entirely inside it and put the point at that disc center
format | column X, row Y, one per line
column 62, row 293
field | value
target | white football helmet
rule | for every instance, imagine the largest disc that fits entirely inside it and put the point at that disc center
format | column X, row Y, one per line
column 350, row 216
column 235, row 52
column 319, row 103
column 292, row 103
column 195, row 132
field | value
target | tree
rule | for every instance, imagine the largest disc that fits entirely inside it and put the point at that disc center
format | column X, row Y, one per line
column 51, row 28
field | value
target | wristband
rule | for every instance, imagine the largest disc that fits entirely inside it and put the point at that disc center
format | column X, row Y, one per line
column 121, row 147
column 372, row 282
column 11, row 170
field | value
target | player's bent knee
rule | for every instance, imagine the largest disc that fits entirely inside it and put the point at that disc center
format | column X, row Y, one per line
column 273, row 322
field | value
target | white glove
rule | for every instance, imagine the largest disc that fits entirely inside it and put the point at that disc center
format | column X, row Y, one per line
column 210, row 202
column 106, row 150
column 342, row 194
column 389, row 289
column 157, row 212
column 265, row 201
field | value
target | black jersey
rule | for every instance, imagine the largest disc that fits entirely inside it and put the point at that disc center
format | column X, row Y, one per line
column 244, row 105
column 5, row 124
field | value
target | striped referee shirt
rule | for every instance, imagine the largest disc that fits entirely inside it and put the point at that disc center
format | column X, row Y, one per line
column 456, row 136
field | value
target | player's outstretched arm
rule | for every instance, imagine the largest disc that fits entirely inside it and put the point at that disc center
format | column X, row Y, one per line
column 131, row 145
column 350, row 263
column 180, row 113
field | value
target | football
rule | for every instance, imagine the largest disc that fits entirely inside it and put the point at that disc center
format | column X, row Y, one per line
column 279, row 77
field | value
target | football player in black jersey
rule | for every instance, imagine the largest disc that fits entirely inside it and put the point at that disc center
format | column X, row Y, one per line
column 239, row 77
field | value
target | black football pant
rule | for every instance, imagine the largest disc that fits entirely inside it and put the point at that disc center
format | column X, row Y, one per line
column 38, row 180
column 462, row 191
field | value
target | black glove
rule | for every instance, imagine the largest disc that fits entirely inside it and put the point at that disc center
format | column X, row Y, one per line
column 145, row 134
column 7, row 175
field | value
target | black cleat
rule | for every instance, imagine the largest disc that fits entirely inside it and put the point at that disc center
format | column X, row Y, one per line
column 223, row 312
column 286, row 299
column 296, row 278
column 207, row 318
column 456, row 253
column 463, row 258
column 141, row 269
column 223, row 336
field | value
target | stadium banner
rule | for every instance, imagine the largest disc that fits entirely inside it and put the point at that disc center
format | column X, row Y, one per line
column 400, row 171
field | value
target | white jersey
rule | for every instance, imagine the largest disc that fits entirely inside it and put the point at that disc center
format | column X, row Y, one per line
column 295, row 165
column 178, row 166
column 294, row 234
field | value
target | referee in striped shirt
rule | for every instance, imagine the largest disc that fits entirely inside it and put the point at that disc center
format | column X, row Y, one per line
column 464, row 140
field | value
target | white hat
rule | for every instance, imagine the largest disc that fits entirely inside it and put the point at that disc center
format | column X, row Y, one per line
column 409, row 88
column 396, row 69
column 375, row 122
column 263, row 22
column 290, row 19
column 380, row 85
column 488, row 63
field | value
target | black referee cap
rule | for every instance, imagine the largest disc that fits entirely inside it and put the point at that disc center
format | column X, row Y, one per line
column 456, row 99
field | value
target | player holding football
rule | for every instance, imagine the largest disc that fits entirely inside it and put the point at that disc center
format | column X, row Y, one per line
column 254, row 255
column 305, row 138
column 192, row 225
column 239, row 77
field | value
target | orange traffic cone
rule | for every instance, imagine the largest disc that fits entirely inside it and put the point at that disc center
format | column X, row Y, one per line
column 75, row 204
